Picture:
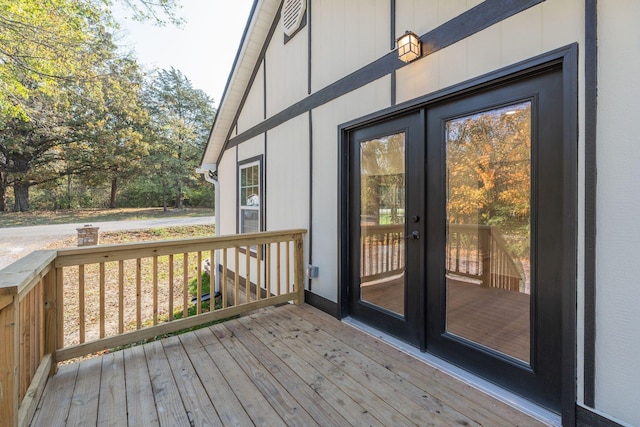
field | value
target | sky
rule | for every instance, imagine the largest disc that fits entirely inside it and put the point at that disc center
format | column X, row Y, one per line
column 203, row 49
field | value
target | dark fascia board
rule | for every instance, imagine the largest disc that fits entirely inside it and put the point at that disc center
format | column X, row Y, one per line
column 466, row 24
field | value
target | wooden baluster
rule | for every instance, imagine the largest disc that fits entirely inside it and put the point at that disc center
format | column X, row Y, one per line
column 212, row 280
column 199, row 284
column 9, row 358
column 102, row 302
column 59, row 308
column 185, row 285
column 138, row 293
column 51, row 325
column 81, row 319
column 155, row 290
column 278, row 267
column 268, row 269
column 120, row 296
column 247, row 258
column 288, row 268
column 259, row 273
column 223, row 282
column 171, row 284
column 236, row 280
column 41, row 317
column 24, row 309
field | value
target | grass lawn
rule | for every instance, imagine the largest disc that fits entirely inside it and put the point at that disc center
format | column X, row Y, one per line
column 19, row 219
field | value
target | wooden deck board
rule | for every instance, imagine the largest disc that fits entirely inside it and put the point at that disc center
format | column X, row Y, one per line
column 53, row 408
column 285, row 405
column 227, row 405
column 480, row 406
column 84, row 402
column 141, row 409
column 254, row 403
column 290, row 365
column 200, row 409
column 112, row 399
column 171, row 411
column 416, row 404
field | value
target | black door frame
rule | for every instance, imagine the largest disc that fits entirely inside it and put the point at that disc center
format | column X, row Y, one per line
column 565, row 57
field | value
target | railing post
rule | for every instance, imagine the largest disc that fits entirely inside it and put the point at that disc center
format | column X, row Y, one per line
column 298, row 269
column 9, row 359
column 51, row 317
column 484, row 246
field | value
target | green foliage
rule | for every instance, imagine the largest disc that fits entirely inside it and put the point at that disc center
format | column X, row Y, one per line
column 75, row 112
column 206, row 285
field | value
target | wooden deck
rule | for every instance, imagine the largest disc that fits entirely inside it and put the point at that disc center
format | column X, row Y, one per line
column 287, row 365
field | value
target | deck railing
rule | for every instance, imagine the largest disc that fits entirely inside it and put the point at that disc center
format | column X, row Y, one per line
column 382, row 251
column 480, row 252
column 58, row 305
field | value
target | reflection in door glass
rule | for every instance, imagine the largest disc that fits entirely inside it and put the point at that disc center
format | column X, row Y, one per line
column 382, row 206
column 488, row 229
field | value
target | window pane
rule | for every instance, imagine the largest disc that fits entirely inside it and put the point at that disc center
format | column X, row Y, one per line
column 488, row 228
column 249, row 196
column 249, row 221
column 382, row 213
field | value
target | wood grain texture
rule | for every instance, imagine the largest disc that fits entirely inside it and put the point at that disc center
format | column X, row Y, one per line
column 277, row 366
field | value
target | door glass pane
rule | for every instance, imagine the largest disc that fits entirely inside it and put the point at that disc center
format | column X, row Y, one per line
column 488, row 229
column 382, row 206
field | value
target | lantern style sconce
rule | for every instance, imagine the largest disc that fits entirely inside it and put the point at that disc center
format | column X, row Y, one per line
column 409, row 47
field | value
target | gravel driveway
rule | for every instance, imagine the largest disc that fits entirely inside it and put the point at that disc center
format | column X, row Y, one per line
column 16, row 242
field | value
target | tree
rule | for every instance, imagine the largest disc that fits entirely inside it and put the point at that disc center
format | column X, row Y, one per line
column 181, row 117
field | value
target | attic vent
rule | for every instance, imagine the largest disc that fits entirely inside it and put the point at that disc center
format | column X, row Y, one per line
column 292, row 15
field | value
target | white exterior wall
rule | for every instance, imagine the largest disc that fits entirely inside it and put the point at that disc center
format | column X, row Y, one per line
column 251, row 148
column 287, row 70
column 326, row 120
column 227, row 177
column 287, row 167
column 345, row 36
column 618, row 202
column 253, row 110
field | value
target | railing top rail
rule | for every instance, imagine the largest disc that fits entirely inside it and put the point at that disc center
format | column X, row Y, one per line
column 121, row 251
column 18, row 276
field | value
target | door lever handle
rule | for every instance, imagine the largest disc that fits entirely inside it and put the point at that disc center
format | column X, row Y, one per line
column 415, row 235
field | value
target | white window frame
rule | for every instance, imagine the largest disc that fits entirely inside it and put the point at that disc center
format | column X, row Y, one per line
column 253, row 205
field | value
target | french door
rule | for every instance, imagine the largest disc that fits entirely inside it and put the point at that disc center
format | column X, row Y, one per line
column 455, row 225
column 387, row 195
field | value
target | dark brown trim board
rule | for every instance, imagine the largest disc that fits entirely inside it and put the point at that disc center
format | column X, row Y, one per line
column 321, row 303
column 590, row 143
column 586, row 417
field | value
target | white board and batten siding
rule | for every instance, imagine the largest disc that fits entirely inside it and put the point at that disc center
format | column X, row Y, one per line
column 346, row 36
column 618, row 203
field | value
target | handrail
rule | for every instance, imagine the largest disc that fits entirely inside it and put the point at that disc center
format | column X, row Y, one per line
column 256, row 270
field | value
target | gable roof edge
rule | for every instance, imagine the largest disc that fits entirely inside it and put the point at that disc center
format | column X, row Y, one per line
column 255, row 33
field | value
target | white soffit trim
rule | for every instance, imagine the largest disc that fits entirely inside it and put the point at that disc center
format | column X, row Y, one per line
column 248, row 55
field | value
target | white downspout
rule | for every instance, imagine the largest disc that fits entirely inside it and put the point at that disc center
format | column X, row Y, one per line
column 210, row 173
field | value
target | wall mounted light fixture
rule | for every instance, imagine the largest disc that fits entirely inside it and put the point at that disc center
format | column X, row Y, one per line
column 409, row 47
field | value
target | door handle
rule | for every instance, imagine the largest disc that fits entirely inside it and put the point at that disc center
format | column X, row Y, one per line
column 415, row 235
